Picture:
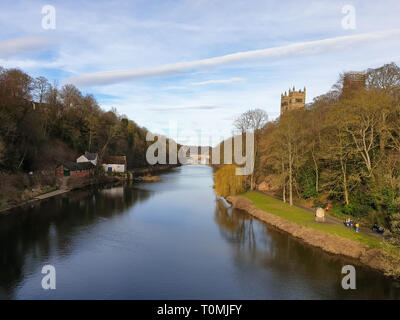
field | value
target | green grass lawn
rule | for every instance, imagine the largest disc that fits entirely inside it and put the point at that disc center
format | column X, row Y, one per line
column 306, row 218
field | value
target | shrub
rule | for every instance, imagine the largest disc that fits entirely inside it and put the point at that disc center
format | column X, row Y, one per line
column 307, row 183
column 227, row 183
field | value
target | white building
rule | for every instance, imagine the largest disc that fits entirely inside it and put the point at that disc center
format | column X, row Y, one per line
column 114, row 163
column 88, row 157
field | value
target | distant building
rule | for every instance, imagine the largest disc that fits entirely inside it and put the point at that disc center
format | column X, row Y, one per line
column 353, row 80
column 293, row 101
column 75, row 170
column 88, row 157
column 114, row 163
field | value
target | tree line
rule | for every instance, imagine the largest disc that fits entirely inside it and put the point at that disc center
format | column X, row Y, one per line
column 343, row 148
column 36, row 115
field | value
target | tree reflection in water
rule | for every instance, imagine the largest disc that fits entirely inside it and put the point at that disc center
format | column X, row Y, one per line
column 29, row 235
column 236, row 225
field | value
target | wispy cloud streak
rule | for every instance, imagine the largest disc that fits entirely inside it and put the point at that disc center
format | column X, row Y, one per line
column 219, row 81
column 296, row 49
column 16, row 46
column 184, row 108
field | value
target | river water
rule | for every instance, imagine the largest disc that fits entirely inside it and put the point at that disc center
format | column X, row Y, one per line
column 167, row 240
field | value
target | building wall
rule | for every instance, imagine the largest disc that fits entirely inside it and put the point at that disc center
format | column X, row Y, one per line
column 353, row 81
column 114, row 167
column 80, row 174
column 294, row 100
column 74, row 174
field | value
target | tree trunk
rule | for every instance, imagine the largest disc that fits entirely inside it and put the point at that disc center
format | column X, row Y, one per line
column 382, row 137
column 90, row 139
column 283, row 182
column 22, row 160
column 290, row 176
column 316, row 172
column 284, row 192
column 345, row 191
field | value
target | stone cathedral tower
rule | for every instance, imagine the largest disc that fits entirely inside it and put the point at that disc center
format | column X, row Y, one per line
column 294, row 100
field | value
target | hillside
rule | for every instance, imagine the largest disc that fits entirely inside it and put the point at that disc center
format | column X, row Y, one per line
column 41, row 125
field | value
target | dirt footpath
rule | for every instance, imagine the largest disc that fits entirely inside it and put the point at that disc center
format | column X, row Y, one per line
column 51, row 194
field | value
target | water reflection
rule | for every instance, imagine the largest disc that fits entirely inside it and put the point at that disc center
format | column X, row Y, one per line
column 236, row 226
column 28, row 236
column 168, row 240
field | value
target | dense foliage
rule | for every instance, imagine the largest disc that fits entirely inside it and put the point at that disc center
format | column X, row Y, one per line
column 65, row 118
column 343, row 148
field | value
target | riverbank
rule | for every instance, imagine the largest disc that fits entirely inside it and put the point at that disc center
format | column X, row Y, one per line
column 138, row 172
column 334, row 239
column 40, row 192
column 21, row 190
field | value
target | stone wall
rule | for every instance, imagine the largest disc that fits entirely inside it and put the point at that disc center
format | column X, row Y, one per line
column 294, row 100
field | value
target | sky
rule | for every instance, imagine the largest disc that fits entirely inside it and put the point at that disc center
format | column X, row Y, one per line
column 188, row 68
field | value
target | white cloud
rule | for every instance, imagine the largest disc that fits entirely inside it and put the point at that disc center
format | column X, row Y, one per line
column 230, row 80
column 296, row 49
column 23, row 45
column 184, row 108
column 29, row 63
column 141, row 36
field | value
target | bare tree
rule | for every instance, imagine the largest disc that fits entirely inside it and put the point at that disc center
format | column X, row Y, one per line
column 41, row 88
column 252, row 120
column 386, row 77
column 70, row 96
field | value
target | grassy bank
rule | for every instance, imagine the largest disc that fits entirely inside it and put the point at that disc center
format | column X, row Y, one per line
column 333, row 238
column 306, row 218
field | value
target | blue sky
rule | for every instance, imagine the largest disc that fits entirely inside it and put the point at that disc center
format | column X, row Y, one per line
column 197, row 64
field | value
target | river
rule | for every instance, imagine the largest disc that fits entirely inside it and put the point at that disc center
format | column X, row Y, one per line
column 167, row 240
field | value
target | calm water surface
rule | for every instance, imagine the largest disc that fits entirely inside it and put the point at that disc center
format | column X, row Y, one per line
column 171, row 239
